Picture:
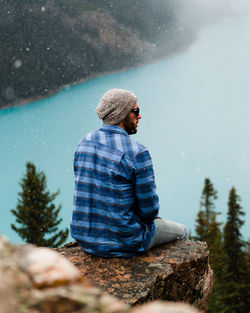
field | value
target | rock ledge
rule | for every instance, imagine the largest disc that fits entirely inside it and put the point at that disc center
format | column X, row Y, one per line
column 178, row 271
column 40, row 280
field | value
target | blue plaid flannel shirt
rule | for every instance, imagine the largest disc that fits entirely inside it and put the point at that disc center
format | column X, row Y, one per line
column 115, row 200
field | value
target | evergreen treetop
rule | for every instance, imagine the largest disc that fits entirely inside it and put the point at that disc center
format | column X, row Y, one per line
column 233, row 241
column 235, row 294
column 35, row 212
column 232, row 235
column 207, row 227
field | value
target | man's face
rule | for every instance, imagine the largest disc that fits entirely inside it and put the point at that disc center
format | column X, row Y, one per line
column 131, row 121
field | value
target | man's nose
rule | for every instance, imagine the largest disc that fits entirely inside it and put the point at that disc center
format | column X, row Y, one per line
column 139, row 116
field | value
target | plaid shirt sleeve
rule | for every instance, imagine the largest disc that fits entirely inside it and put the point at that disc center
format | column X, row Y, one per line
column 145, row 188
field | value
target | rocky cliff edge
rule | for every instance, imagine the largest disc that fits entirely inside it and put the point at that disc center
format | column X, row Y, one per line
column 178, row 271
column 35, row 280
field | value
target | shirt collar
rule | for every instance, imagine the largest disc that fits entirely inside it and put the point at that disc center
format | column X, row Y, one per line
column 113, row 129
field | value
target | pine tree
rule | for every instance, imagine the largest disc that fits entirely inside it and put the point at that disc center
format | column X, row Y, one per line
column 234, row 292
column 35, row 212
column 246, row 295
column 208, row 229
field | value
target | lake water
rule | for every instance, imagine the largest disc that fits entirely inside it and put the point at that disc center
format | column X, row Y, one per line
column 195, row 121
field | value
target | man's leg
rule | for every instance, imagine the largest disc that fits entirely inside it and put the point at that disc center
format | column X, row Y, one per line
column 167, row 231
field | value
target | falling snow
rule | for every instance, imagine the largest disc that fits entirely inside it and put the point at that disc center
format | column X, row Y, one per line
column 17, row 63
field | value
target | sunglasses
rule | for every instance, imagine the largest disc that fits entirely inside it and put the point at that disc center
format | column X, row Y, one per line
column 136, row 111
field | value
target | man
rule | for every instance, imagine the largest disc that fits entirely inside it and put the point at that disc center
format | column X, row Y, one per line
column 115, row 201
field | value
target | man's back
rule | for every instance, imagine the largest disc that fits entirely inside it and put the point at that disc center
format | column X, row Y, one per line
column 115, row 201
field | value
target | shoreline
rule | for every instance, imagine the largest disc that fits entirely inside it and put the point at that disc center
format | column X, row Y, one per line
column 148, row 60
column 96, row 75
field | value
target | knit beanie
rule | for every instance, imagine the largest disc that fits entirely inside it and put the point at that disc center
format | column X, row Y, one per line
column 115, row 105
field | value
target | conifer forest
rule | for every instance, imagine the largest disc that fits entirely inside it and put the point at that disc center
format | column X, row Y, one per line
column 229, row 252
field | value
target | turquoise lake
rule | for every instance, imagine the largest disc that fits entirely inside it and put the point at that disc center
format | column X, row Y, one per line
column 195, row 109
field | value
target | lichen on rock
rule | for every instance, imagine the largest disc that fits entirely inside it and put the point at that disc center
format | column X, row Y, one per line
column 178, row 271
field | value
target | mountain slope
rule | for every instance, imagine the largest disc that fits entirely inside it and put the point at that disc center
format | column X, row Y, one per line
column 47, row 44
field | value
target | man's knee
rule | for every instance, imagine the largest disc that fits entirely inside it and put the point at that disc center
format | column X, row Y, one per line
column 184, row 233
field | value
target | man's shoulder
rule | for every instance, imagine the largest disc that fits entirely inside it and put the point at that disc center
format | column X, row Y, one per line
column 88, row 137
column 85, row 141
column 137, row 147
column 122, row 143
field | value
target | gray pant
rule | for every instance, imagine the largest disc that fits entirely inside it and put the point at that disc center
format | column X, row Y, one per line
column 167, row 231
